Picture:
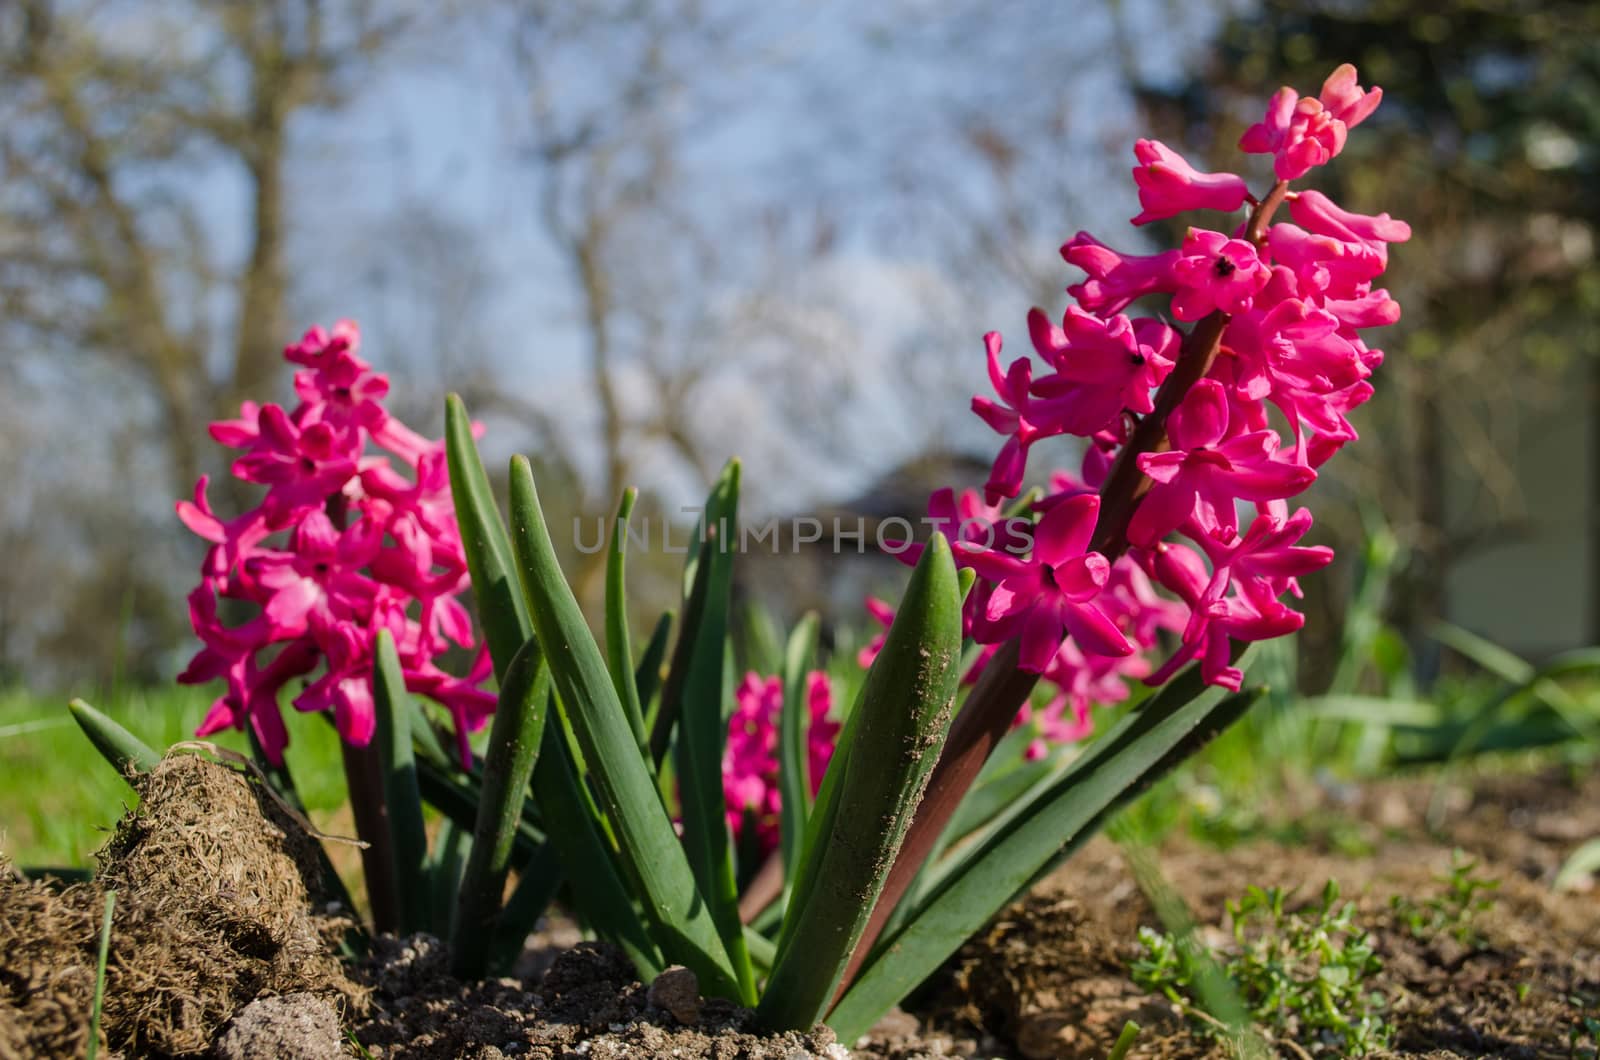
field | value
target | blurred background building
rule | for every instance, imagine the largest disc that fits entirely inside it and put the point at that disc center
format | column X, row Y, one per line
column 641, row 236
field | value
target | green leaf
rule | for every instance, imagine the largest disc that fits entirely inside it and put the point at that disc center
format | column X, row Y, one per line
column 1374, row 710
column 446, row 860
column 97, row 1004
column 1585, row 861
column 538, row 880
column 759, row 639
column 456, row 795
column 619, row 648
column 425, row 738
column 703, row 727
column 649, row 848
column 1497, row 660
column 514, row 744
column 588, row 860
column 490, row 559
column 794, row 776
column 127, row 753
column 647, row 677
column 582, row 848
column 408, row 839
column 1027, row 840
column 696, row 584
column 899, row 725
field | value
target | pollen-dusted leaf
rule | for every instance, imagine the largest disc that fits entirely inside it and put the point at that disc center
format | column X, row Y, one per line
column 894, row 737
column 408, row 840
column 648, row 846
column 1036, row 832
column 514, row 744
column 125, row 751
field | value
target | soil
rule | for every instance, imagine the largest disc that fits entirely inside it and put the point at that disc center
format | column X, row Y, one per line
column 1049, row 977
column 221, row 944
column 214, row 888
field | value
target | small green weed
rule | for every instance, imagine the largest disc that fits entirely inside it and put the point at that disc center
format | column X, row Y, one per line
column 1583, row 1040
column 1453, row 913
column 1303, row 974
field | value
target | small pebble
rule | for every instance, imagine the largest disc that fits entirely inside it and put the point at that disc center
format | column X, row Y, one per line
column 677, row 991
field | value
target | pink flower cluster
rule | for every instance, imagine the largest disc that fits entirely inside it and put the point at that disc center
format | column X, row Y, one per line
column 1279, row 311
column 360, row 547
column 750, row 761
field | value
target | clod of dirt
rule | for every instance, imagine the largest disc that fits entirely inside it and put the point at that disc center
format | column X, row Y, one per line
column 677, row 991
column 211, row 912
column 291, row 1027
column 1046, row 979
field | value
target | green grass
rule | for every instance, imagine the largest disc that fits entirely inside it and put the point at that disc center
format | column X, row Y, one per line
column 59, row 798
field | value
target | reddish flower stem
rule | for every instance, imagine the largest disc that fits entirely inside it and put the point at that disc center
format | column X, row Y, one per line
column 363, row 773
column 1002, row 688
column 764, row 888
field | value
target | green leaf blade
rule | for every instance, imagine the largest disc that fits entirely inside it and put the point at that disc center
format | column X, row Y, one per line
column 514, row 743
column 126, row 753
column 408, row 839
column 1027, row 840
column 619, row 647
column 702, row 728
column 897, row 730
column 649, row 847
column 490, row 559
column 794, row 779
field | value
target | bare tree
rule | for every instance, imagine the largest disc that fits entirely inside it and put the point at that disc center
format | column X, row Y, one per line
column 119, row 128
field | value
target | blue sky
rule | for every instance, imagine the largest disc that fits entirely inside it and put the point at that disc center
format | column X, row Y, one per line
column 817, row 106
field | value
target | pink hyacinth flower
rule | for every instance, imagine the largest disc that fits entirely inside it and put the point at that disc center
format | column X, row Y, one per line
column 1304, row 132
column 1116, row 279
column 1052, row 594
column 1013, row 415
column 1216, row 273
column 1206, row 472
column 1169, row 185
column 1101, row 368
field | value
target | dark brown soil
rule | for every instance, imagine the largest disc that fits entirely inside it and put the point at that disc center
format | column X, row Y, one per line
column 1049, row 978
column 212, row 911
column 588, row 1004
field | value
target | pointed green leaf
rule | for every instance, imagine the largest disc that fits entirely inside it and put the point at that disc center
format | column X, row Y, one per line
column 447, row 859
column 794, row 773
column 1026, row 841
column 898, row 728
column 402, row 799
column 619, row 647
column 127, row 753
column 647, row 677
column 514, row 744
column 490, row 560
column 703, row 728
column 582, row 848
column 648, row 846
column 538, row 880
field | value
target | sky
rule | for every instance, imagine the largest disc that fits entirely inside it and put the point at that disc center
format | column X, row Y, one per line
column 824, row 102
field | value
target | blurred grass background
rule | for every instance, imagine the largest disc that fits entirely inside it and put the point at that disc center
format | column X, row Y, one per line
column 60, row 798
